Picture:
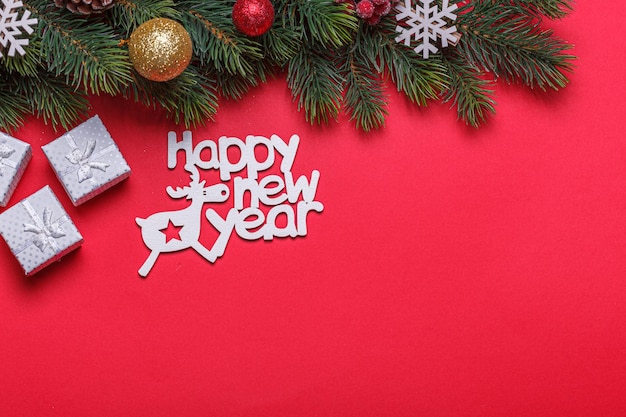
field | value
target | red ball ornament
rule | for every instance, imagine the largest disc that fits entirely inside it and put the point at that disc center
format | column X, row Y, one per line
column 253, row 17
column 365, row 9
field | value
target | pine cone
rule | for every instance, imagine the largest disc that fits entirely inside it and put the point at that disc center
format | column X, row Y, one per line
column 85, row 7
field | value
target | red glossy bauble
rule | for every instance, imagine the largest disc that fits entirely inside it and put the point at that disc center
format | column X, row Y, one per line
column 253, row 17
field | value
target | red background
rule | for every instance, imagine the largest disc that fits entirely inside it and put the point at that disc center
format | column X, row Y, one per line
column 453, row 272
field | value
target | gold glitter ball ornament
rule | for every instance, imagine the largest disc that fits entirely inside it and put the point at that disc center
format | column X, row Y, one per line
column 160, row 49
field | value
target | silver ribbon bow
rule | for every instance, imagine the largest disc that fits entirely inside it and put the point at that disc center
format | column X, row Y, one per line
column 85, row 160
column 45, row 230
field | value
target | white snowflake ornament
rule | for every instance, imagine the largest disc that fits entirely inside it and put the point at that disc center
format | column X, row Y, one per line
column 12, row 27
column 424, row 24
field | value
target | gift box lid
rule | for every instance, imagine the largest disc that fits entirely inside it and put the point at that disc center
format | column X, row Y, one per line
column 38, row 230
column 86, row 160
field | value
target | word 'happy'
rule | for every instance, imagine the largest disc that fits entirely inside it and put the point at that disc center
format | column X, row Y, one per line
column 290, row 200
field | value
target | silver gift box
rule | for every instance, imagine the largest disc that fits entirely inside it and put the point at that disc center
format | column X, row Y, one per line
column 87, row 161
column 39, row 231
column 14, row 157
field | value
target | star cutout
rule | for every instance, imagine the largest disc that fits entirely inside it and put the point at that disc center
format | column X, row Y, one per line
column 171, row 231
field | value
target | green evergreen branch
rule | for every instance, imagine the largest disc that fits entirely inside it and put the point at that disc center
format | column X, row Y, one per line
column 13, row 107
column 50, row 98
column 420, row 80
column 511, row 44
column 236, row 86
column 280, row 44
column 365, row 94
column 189, row 98
column 468, row 91
column 127, row 15
column 549, row 8
column 215, row 42
column 28, row 64
column 86, row 53
column 315, row 82
column 320, row 21
column 230, row 85
column 365, row 97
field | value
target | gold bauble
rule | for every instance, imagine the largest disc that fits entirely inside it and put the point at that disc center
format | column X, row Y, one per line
column 160, row 49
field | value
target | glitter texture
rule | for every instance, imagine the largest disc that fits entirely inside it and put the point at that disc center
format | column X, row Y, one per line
column 160, row 49
column 253, row 17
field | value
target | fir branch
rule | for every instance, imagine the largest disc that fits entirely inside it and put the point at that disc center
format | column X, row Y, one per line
column 50, row 98
column 365, row 94
column 215, row 42
column 86, row 53
column 320, row 21
column 365, row 98
column 189, row 98
column 550, row 8
column 468, row 91
column 127, row 15
column 280, row 45
column 315, row 83
column 28, row 64
column 503, row 40
column 14, row 107
column 235, row 86
column 232, row 86
column 420, row 80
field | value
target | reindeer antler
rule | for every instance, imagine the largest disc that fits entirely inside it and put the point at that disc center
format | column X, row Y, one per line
column 193, row 170
column 181, row 192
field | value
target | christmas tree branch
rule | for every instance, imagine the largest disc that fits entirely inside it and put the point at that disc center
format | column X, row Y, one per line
column 232, row 86
column 189, row 98
column 365, row 92
column 215, row 42
column 127, row 15
column 321, row 21
column 27, row 65
column 315, row 82
column 280, row 44
column 50, row 98
column 470, row 93
column 13, row 107
column 510, row 43
column 549, row 8
column 365, row 97
column 420, row 80
column 87, row 53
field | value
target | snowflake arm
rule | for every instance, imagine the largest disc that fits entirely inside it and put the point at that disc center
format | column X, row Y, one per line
column 12, row 27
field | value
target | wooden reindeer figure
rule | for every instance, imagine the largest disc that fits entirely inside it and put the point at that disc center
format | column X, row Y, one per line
column 187, row 219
